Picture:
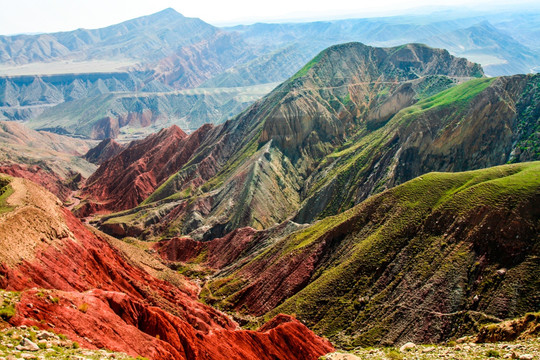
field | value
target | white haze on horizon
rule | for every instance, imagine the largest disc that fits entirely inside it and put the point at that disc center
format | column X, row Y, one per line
column 42, row 16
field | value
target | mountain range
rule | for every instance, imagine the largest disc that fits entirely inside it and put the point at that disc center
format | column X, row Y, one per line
column 315, row 197
column 337, row 132
column 166, row 51
column 331, row 174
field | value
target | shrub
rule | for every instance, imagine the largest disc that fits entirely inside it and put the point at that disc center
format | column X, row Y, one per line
column 492, row 353
column 83, row 308
column 394, row 355
column 7, row 312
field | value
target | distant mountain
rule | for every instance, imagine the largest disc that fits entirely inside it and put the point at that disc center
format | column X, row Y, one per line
column 499, row 53
column 130, row 114
column 272, row 67
column 461, row 35
column 23, row 97
column 148, row 37
column 190, row 66
column 166, row 51
column 522, row 26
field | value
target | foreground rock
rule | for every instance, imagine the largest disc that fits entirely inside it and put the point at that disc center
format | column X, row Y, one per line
column 100, row 300
column 49, row 346
column 524, row 349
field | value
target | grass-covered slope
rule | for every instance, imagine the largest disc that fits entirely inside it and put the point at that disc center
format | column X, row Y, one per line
column 480, row 123
column 425, row 261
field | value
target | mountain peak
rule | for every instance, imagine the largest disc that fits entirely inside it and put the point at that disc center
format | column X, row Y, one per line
column 168, row 12
column 397, row 63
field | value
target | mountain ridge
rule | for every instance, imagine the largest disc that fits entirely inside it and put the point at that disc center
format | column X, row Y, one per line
column 320, row 105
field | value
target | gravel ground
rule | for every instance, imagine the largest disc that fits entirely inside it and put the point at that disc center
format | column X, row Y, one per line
column 524, row 349
column 29, row 343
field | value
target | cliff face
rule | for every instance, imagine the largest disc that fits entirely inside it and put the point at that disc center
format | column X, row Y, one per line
column 425, row 261
column 96, row 297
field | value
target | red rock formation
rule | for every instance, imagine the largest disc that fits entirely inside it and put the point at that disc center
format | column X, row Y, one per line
column 220, row 252
column 130, row 177
column 136, row 328
column 99, row 299
column 36, row 174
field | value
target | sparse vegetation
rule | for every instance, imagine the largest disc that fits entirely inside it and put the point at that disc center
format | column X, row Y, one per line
column 7, row 312
column 492, row 354
column 5, row 192
column 456, row 96
column 372, row 237
column 56, row 346
column 83, row 307
column 8, row 302
column 303, row 71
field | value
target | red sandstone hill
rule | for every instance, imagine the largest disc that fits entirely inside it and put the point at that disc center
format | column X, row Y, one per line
column 96, row 297
column 128, row 178
column 48, row 180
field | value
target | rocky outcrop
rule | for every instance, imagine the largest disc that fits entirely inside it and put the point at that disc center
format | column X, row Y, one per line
column 97, row 298
column 525, row 327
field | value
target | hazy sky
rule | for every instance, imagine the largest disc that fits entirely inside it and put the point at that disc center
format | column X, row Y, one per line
column 28, row 16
